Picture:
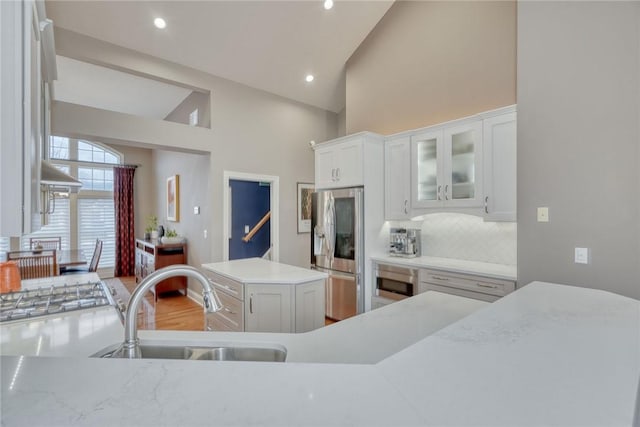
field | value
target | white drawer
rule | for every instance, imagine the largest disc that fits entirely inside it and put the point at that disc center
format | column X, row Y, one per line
column 226, row 285
column 231, row 315
column 468, row 282
column 424, row 287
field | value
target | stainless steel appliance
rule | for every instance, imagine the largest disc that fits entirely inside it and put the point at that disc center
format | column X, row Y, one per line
column 337, row 248
column 404, row 242
column 55, row 299
column 394, row 282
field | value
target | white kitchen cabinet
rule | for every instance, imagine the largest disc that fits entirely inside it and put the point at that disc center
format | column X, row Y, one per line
column 24, row 105
column 397, row 174
column 340, row 165
column 447, row 165
column 466, row 285
column 251, row 306
column 500, row 160
column 341, row 162
column 268, row 308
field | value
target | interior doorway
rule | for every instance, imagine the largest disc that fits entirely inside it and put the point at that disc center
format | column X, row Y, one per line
column 250, row 216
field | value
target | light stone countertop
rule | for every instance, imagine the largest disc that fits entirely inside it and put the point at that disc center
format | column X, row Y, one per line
column 258, row 270
column 496, row 271
column 544, row 355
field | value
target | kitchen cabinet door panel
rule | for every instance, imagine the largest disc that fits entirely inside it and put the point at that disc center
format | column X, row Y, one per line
column 397, row 173
column 500, row 161
column 268, row 308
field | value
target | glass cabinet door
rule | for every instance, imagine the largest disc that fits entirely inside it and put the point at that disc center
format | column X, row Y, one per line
column 427, row 153
column 463, row 183
column 463, row 165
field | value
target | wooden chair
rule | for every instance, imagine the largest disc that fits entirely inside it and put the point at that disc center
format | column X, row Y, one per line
column 93, row 265
column 46, row 243
column 34, row 265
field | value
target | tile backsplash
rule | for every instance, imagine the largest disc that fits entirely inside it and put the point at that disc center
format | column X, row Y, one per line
column 468, row 237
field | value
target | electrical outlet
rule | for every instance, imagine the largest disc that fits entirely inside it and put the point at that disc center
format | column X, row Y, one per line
column 205, row 234
column 543, row 214
column 196, row 210
column 582, row 256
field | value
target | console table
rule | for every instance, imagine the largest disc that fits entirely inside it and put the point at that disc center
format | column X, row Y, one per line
column 152, row 255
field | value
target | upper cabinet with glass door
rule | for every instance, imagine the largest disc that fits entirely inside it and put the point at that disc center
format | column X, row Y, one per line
column 447, row 169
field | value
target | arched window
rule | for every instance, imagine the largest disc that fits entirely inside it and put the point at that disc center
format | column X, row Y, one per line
column 82, row 218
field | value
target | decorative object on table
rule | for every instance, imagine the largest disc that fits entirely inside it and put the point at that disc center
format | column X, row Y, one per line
column 160, row 231
column 171, row 237
column 151, row 229
column 173, row 198
column 38, row 248
column 40, row 243
column 305, row 190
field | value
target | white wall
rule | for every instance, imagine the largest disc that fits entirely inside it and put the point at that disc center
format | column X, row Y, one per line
column 251, row 131
column 579, row 143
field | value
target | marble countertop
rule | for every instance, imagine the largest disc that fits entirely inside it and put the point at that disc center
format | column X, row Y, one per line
column 544, row 355
column 258, row 270
column 496, row 271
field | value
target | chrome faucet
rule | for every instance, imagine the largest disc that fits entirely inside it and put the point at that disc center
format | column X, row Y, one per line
column 130, row 348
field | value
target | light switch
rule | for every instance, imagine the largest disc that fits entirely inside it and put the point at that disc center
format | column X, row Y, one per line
column 205, row 234
column 582, row 256
column 246, row 229
column 543, row 214
column 196, row 210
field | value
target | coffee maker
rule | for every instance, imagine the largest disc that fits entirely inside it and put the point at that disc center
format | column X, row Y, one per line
column 404, row 242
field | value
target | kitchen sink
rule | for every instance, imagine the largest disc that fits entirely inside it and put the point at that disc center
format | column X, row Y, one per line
column 198, row 352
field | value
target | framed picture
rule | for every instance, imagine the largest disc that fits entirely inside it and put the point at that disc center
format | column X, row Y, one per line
column 304, row 207
column 173, row 198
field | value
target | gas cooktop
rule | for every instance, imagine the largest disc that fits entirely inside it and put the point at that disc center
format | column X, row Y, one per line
column 54, row 299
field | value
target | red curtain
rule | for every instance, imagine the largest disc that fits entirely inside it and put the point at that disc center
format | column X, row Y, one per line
column 125, row 231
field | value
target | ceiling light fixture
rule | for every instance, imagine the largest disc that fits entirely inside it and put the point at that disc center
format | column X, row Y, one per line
column 328, row 4
column 309, row 78
column 159, row 23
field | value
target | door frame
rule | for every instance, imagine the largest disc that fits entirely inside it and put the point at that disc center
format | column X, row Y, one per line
column 274, row 195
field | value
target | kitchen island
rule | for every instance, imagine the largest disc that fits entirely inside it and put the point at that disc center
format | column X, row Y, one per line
column 546, row 354
column 266, row 296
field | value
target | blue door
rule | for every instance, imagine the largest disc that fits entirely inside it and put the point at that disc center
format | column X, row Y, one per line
column 250, row 202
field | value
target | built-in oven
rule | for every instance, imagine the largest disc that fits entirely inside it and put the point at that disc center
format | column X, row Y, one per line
column 394, row 282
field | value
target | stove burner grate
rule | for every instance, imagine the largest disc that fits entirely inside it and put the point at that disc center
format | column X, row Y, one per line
column 43, row 301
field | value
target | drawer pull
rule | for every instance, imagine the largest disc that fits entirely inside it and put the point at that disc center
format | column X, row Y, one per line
column 441, row 278
column 251, row 304
column 482, row 285
column 229, row 311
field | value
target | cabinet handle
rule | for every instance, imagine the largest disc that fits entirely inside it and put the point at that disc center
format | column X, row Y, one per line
column 439, row 188
column 229, row 311
column 251, row 304
column 482, row 285
column 406, row 211
column 337, row 174
column 441, row 278
column 486, row 206
column 446, row 192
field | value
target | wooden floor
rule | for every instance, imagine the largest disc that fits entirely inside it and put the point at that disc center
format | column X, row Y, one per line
column 172, row 311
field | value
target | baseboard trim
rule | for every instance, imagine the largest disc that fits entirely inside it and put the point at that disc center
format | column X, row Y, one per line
column 195, row 296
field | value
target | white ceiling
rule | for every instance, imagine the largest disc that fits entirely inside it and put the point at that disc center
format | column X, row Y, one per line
column 87, row 84
column 269, row 45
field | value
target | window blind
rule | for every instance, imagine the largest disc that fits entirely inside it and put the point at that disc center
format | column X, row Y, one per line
column 96, row 220
column 58, row 226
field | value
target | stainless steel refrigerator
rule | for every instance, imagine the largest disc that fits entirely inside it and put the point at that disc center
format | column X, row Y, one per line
column 337, row 248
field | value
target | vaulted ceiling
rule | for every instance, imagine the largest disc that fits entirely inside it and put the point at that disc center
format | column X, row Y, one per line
column 268, row 45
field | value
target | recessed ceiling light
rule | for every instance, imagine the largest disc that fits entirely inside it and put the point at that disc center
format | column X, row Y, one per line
column 328, row 4
column 159, row 23
column 309, row 78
